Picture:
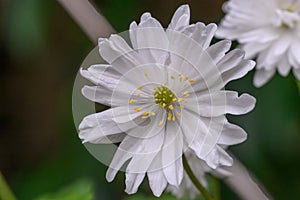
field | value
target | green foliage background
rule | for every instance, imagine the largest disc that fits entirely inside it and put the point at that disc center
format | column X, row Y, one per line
column 41, row 49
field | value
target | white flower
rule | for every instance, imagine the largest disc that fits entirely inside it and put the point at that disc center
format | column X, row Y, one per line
column 166, row 96
column 268, row 29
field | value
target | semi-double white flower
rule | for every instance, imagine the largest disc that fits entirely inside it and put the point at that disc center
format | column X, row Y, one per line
column 166, row 93
column 268, row 29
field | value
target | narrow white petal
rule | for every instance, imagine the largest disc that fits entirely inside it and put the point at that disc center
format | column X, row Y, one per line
column 150, row 35
column 215, row 126
column 281, row 45
column 174, row 172
column 262, row 76
column 118, row 53
column 204, row 36
column 218, row 157
column 133, row 181
column 239, row 71
column 284, row 66
column 217, row 51
column 125, row 151
column 142, row 159
column 103, row 75
column 171, row 154
column 222, row 102
column 232, row 134
column 253, row 48
column 297, row 73
column 231, row 60
column 103, row 95
column 157, row 182
column 194, row 131
column 293, row 55
column 97, row 127
column 181, row 18
column 261, row 35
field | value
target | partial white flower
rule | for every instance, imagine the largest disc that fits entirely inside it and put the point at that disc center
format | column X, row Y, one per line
column 166, row 93
column 268, row 29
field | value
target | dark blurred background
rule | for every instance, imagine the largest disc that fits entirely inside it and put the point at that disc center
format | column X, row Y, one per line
column 41, row 49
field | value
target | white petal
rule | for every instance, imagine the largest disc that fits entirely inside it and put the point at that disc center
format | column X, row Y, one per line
column 253, row 48
column 281, row 45
column 184, row 51
column 297, row 73
column 215, row 126
column 261, row 35
column 118, row 53
column 284, row 66
column 230, row 60
column 181, row 18
column 293, row 55
column 125, row 151
column 150, row 35
column 142, row 159
column 141, row 147
column 149, row 127
column 157, row 182
column 133, row 182
column 194, row 130
column 104, row 75
column 171, row 154
column 204, row 36
column 239, row 71
column 97, row 127
column 124, row 114
column 232, row 134
column 262, row 76
column 174, row 172
column 218, row 157
column 222, row 102
column 218, row 50
column 100, row 95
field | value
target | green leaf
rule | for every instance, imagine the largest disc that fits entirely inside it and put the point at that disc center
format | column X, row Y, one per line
column 144, row 197
column 81, row 190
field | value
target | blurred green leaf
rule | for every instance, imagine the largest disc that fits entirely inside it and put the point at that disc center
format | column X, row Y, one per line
column 81, row 190
column 144, row 197
column 26, row 26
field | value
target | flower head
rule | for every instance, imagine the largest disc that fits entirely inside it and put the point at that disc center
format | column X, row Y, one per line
column 166, row 93
column 267, row 29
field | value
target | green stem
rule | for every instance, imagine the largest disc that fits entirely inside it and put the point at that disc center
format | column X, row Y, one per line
column 298, row 84
column 216, row 186
column 193, row 178
column 5, row 192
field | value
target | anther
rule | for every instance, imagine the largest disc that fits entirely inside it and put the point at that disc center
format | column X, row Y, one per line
column 131, row 101
column 137, row 109
column 160, row 123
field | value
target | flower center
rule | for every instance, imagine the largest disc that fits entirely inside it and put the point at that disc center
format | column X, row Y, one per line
column 289, row 14
column 164, row 96
column 293, row 7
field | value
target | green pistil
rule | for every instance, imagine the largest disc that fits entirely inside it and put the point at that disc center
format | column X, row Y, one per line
column 163, row 96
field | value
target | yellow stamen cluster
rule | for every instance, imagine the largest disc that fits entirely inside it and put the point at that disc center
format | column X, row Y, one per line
column 293, row 7
column 165, row 98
